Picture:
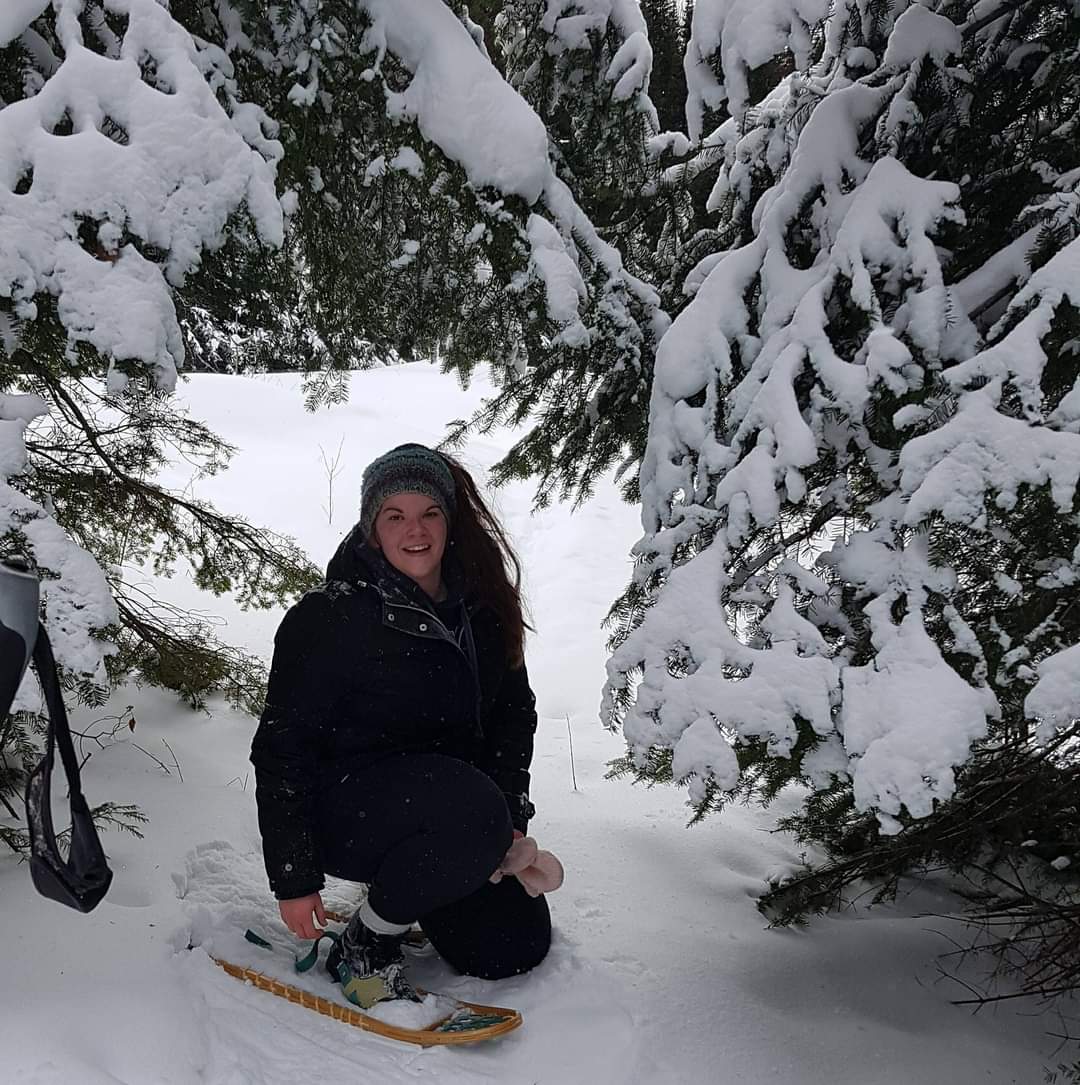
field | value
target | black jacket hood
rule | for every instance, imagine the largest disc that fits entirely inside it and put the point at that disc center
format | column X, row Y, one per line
column 355, row 559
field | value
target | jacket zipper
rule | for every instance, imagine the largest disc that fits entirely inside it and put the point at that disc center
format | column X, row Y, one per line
column 473, row 670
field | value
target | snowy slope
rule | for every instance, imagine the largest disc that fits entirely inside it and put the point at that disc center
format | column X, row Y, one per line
column 662, row 971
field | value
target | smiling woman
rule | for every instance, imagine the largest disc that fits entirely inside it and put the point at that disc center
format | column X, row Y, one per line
column 406, row 507
column 410, row 530
column 395, row 745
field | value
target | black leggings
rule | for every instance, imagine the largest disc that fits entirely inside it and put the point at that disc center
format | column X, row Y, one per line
column 425, row 832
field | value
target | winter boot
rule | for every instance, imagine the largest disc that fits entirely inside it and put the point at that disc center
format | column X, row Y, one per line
column 370, row 967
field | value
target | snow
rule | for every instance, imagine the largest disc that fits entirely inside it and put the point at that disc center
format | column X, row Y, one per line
column 184, row 169
column 76, row 598
column 662, row 972
column 1019, row 356
column 570, row 24
column 676, row 143
column 563, row 284
column 461, row 103
column 409, row 162
column 744, row 34
column 1055, row 698
column 458, row 99
column 920, row 32
column 16, row 16
column 630, row 67
column 908, row 718
column 980, row 451
column 885, row 226
column 756, row 399
column 1008, row 264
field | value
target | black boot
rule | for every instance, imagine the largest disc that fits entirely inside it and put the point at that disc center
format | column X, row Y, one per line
column 369, row 966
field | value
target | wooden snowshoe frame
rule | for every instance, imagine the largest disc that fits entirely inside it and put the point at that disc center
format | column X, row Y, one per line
column 504, row 1020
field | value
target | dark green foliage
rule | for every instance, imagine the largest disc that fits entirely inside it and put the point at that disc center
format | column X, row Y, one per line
column 20, row 751
column 597, row 140
column 93, row 464
column 1016, row 810
column 667, row 87
column 94, row 461
column 392, row 254
column 1000, row 123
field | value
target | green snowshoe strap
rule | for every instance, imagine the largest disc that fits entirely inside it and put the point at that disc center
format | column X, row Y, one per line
column 303, row 964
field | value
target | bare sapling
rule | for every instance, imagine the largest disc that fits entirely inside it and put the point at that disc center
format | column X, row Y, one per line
column 331, row 468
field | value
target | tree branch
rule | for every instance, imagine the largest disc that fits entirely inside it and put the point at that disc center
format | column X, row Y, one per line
column 820, row 519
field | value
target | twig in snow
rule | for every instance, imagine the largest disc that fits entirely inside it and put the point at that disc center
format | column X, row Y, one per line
column 175, row 762
column 570, row 732
column 158, row 760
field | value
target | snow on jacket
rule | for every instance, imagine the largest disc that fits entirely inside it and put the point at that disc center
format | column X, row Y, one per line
column 364, row 668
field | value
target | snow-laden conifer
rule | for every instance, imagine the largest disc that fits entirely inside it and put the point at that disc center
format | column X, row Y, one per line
column 585, row 69
column 118, row 170
column 429, row 217
column 859, row 491
column 127, row 165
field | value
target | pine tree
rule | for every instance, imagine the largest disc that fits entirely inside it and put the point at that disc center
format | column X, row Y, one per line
column 667, row 85
column 860, row 485
column 586, row 70
column 427, row 221
column 119, row 173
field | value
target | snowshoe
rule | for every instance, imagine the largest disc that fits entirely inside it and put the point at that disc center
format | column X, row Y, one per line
column 433, row 1020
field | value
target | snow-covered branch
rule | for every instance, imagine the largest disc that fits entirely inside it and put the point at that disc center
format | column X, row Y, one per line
column 119, row 170
column 833, row 440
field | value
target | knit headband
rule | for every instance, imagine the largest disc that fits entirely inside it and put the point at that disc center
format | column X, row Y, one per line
column 406, row 469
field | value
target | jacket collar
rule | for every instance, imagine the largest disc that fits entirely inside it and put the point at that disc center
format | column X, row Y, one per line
column 405, row 605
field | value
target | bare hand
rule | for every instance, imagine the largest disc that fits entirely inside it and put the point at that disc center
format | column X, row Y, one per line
column 297, row 914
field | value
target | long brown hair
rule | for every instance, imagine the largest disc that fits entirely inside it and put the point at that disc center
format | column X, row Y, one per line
column 488, row 563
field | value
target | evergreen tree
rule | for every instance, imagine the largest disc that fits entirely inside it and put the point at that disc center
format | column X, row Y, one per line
column 589, row 71
column 119, row 173
column 667, row 86
column 426, row 220
column 586, row 69
column 860, row 485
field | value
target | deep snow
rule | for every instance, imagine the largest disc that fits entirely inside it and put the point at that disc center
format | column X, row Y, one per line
column 662, row 970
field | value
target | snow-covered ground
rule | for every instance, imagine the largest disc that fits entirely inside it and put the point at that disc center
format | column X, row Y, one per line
column 662, row 970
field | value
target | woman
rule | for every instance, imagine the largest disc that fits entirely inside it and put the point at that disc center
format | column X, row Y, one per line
column 395, row 745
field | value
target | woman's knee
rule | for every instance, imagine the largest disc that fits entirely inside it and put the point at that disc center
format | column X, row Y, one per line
column 410, row 796
column 522, row 954
column 495, row 933
column 471, row 801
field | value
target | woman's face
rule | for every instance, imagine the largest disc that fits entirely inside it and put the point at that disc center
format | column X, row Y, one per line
column 410, row 529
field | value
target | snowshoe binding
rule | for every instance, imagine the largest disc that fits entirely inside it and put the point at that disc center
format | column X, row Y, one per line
column 370, row 967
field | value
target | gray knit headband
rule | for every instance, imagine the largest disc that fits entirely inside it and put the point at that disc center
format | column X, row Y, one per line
column 405, row 469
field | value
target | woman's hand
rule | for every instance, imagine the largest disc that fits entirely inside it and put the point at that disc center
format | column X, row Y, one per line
column 297, row 915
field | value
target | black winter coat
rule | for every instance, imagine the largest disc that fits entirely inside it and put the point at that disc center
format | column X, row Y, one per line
column 364, row 668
